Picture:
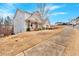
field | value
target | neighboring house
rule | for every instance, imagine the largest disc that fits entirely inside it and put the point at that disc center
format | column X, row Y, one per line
column 75, row 23
column 77, row 20
column 24, row 21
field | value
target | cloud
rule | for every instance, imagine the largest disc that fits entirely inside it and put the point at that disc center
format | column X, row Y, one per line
column 58, row 13
column 52, row 7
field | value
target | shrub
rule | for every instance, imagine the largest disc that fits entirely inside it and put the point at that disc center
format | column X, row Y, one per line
column 28, row 29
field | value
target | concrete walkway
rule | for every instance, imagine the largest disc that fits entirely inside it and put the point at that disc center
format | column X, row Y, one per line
column 73, row 47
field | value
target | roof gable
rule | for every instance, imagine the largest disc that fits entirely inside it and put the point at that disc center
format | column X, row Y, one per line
column 18, row 10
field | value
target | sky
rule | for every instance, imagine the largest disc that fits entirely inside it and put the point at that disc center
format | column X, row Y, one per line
column 58, row 12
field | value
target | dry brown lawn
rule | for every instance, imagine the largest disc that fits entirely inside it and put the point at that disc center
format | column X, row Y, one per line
column 15, row 44
column 59, row 41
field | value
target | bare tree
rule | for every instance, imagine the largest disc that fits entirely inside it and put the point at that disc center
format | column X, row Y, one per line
column 7, row 21
column 1, row 21
column 42, row 10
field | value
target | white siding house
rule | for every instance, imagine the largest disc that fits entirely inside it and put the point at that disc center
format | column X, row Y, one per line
column 19, row 21
column 28, row 21
column 46, row 23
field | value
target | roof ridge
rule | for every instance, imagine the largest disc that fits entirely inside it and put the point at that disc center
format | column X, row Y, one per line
column 23, row 11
